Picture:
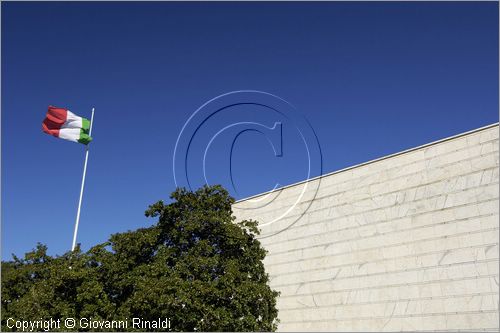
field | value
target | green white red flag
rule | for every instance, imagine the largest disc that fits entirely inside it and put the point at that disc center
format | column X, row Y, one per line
column 64, row 124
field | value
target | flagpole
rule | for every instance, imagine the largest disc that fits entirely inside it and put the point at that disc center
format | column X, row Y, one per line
column 83, row 184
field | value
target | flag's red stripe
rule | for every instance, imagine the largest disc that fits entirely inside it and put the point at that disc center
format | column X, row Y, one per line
column 46, row 129
column 56, row 117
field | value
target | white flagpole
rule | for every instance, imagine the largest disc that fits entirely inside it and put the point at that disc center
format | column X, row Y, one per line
column 83, row 184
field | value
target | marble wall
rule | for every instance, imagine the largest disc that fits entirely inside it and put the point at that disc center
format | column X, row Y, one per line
column 406, row 242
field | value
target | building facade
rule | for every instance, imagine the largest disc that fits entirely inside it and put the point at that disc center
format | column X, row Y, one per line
column 402, row 243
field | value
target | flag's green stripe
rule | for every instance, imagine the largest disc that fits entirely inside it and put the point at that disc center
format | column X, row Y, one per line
column 84, row 137
column 85, row 125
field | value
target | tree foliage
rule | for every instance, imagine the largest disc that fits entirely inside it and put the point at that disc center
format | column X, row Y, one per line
column 195, row 266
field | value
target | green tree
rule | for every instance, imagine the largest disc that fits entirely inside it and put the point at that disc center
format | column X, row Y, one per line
column 195, row 266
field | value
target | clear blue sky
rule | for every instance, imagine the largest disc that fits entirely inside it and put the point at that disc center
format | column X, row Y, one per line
column 371, row 78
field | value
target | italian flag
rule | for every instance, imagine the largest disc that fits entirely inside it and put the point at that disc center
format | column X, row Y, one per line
column 64, row 124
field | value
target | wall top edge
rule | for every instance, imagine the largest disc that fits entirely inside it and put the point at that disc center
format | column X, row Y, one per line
column 456, row 136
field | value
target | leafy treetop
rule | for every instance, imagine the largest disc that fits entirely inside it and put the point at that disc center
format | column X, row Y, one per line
column 195, row 266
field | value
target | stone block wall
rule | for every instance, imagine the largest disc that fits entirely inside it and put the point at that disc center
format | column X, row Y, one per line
column 406, row 242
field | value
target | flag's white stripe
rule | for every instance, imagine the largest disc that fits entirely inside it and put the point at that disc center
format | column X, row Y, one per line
column 71, row 134
column 72, row 121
